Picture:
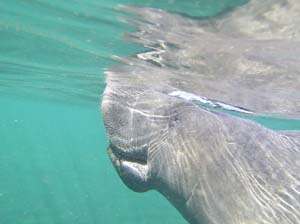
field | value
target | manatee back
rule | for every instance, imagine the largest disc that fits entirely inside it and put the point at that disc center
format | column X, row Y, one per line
column 293, row 134
column 230, row 170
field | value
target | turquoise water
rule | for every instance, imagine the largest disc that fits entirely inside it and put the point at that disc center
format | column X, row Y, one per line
column 53, row 162
column 54, row 169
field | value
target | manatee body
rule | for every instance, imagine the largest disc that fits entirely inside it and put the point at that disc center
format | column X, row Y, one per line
column 213, row 167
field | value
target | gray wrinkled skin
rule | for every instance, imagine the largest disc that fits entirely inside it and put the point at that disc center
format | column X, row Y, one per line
column 215, row 168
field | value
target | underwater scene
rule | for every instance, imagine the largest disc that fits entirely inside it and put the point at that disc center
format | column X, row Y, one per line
column 194, row 103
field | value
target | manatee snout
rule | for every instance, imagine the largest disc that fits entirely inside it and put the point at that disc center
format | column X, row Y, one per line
column 128, row 147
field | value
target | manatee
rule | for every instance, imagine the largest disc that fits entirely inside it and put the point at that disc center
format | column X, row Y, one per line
column 161, row 110
column 212, row 166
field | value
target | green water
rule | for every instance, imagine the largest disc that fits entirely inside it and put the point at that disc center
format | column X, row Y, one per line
column 53, row 162
column 54, row 169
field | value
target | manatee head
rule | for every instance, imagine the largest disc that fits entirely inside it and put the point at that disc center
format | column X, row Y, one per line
column 160, row 142
column 135, row 121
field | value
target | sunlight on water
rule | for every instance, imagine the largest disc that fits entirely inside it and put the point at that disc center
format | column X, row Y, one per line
column 58, row 50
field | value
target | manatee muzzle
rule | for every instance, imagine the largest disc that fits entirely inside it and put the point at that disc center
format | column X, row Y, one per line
column 132, row 167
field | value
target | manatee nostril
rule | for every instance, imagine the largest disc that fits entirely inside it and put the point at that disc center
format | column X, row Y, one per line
column 137, row 155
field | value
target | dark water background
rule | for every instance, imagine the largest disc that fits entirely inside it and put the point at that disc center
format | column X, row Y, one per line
column 53, row 162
